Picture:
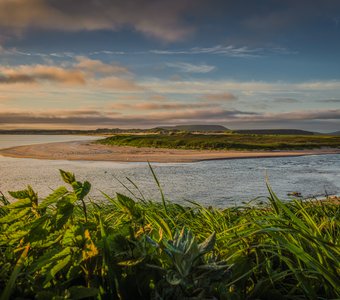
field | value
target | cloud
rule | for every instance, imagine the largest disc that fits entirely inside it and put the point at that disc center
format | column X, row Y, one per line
column 98, row 118
column 286, row 100
column 107, row 52
column 67, row 117
column 2, row 50
column 159, row 19
column 206, row 86
column 229, row 50
column 117, row 84
column 319, row 85
column 191, row 68
column 4, row 98
column 218, row 49
column 16, row 78
column 88, row 118
column 331, row 114
column 159, row 106
column 247, row 87
column 158, row 97
column 331, row 101
column 223, row 97
column 40, row 73
column 82, row 71
column 197, row 115
column 98, row 67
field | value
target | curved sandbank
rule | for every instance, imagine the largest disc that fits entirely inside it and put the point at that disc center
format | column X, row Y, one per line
column 86, row 150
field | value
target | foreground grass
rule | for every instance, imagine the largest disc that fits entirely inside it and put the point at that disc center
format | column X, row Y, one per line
column 62, row 247
column 224, row 141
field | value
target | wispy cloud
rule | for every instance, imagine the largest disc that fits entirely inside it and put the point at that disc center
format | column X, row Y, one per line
column 159, row 106
column 229, row 50
column 223, row 97
column 107, row 52
column 319, row 85
column 335, row 101
column 21, row 52
column 250, row 87
column 191, row 68
column 286, row 100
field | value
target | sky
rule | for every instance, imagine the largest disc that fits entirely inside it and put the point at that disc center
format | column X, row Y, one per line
column 245, row 64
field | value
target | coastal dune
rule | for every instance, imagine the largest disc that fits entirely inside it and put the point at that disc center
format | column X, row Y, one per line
column 87, row 150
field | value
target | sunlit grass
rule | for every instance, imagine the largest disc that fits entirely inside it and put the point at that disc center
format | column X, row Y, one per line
column 224, row 141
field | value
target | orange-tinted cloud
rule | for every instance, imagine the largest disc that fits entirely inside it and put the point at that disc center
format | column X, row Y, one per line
column 93, row 66
column 160, row 19
column 159, row 106
column 88, row 118
column 118, row 84
column 94, row 73
column 158, row 97
column 40, row 73
column 223, row 97
column 4, row 98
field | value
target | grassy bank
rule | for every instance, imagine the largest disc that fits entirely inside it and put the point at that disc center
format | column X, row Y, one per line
column 63, row 247
column 224, row 141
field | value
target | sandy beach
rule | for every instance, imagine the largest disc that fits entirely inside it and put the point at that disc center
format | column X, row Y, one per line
column 86, row 150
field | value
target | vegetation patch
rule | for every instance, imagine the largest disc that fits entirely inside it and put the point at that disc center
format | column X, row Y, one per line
column 63, row 247
column 224, row 141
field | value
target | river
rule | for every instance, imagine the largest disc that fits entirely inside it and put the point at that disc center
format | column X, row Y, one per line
column 219, row 182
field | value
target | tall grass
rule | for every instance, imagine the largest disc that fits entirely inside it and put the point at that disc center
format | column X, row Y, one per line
column 63, row 247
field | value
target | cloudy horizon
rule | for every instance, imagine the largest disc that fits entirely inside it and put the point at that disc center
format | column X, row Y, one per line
column 91, row 64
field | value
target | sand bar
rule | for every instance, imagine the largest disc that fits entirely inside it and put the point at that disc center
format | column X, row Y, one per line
column 87, row 150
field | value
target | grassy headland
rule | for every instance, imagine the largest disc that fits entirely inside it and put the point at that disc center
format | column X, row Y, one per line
column 224, row 141
column 63, row 247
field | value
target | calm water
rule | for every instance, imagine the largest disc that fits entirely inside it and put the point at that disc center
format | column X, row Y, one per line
column 219, row 182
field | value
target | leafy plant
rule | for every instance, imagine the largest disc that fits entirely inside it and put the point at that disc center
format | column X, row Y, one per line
column 187, row 273
column 66, row 246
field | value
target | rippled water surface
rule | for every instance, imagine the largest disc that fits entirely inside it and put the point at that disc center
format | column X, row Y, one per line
column 218, row 182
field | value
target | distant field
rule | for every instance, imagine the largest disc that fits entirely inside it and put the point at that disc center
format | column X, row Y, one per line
column 224, row 142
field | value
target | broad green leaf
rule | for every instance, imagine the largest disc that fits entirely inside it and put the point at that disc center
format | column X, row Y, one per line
column 67, row 176
column 23, row 194
column 15, row 215
column 55, row 196
column 85, row 189
column 22, row 203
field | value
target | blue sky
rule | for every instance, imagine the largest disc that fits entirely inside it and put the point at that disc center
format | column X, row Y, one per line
column 242, row 64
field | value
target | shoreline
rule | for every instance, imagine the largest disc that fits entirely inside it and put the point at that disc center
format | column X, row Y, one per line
column 88, row 151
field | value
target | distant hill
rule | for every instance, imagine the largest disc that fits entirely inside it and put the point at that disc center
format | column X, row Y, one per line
column 275, row 131
column 201, row 128
column 334, row 133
